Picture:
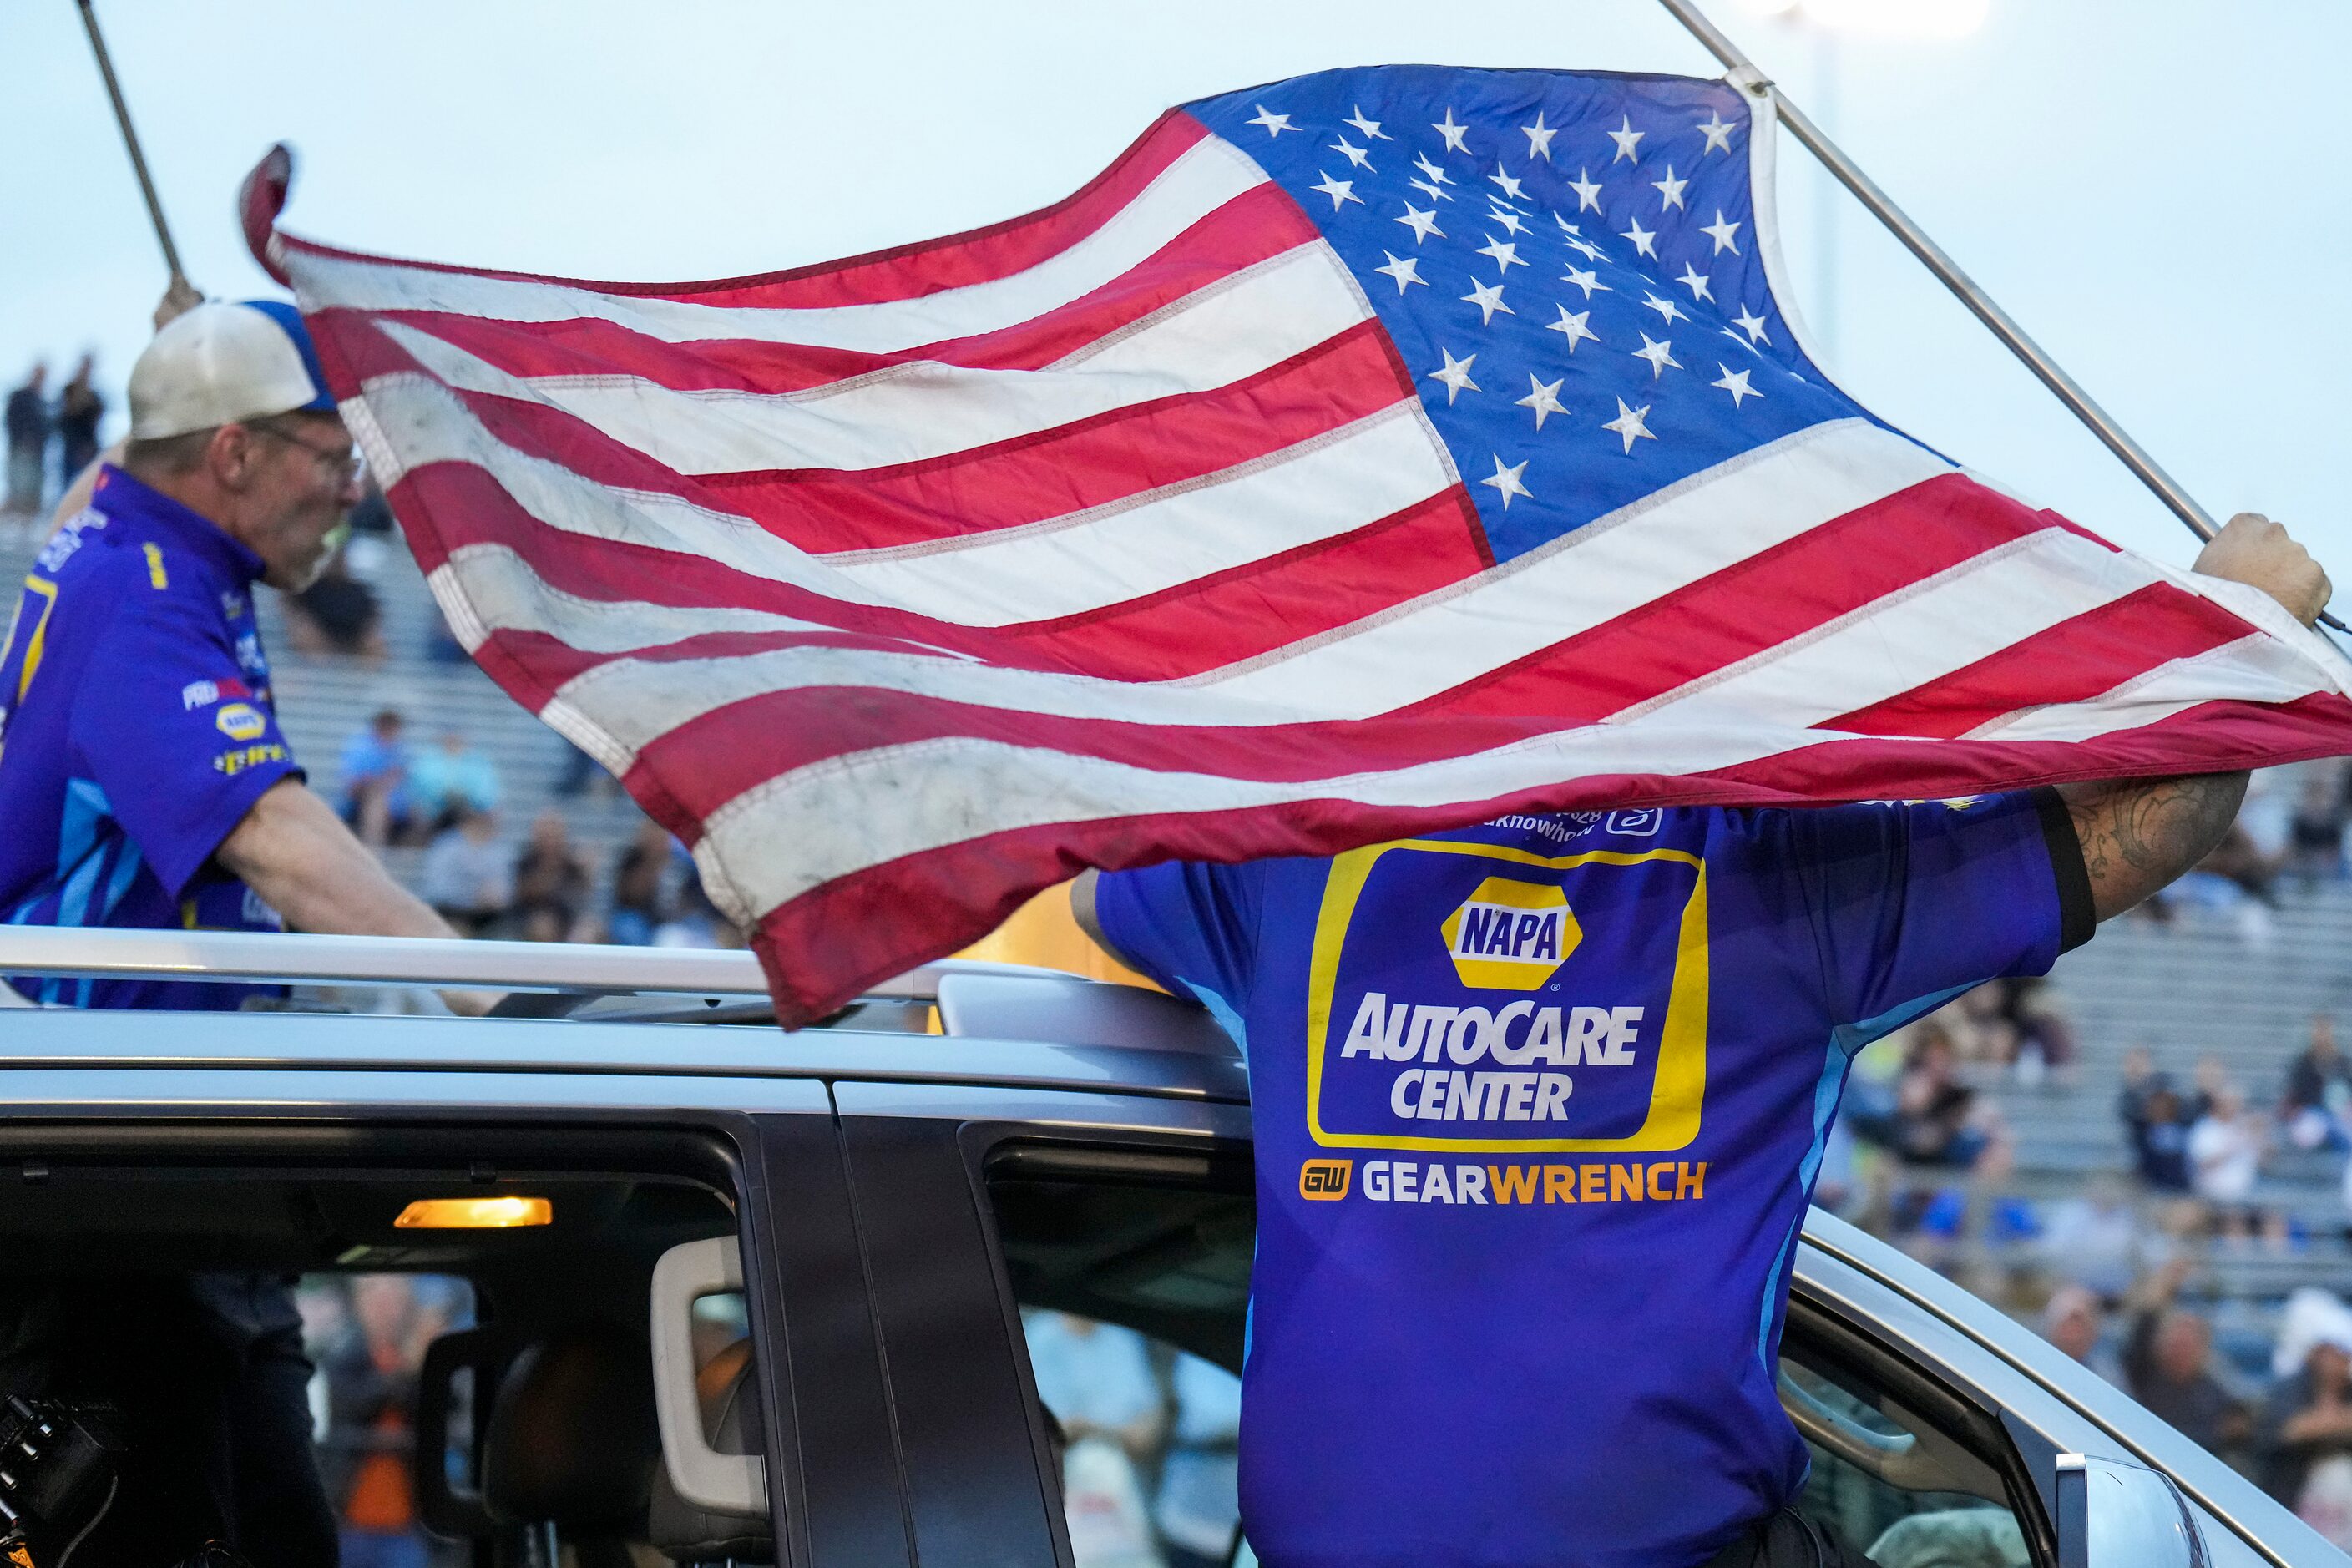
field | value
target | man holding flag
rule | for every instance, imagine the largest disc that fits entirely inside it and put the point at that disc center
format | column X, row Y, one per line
column 1537, row 1106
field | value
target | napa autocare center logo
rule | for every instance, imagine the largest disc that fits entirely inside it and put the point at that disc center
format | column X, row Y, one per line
column 1470, row 998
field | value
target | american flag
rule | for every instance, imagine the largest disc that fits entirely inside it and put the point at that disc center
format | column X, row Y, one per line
column 1372, row 451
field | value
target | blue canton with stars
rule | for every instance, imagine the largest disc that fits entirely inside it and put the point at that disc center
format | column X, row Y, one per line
column 1568, row 263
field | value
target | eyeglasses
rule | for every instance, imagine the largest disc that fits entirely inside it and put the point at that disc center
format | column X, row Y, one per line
column 345, row 465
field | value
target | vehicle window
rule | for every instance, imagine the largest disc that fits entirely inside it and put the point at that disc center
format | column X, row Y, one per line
column 1147, row 1435
column 1133, row 1301
column 1890, row 1483
column 367, row 1335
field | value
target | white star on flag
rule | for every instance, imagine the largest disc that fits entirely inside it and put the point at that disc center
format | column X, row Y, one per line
column 1423, row 224
column 1627, row 140
column 1455, row 375
column 1504, row 254
column 1588, row 281
column 1717, row 131
column 1587, row 190
column 1753, row 326
column 1512, row 188
column 1276, row 124
column 1586, row 248
column 1695, row 281
column 1735, row 382
column 1544, row 399
column 1725, row 235
column 1404, row 269
column 1629, row 424
column 1506, row 480
column 1357, row 157
column 1489, row 299
column 1540, row 137
column 1670, row 188
column 1427, row 189
column 1641, row 237
column 1512, row 222
column 1369, row 129
column 1339, row 191
column 1668, row 311
column 1452, row 133
column 1572, row 327
column 1431, row 170
column 1659, row 355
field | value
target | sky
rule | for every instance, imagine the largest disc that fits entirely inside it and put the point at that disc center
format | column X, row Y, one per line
column 2152, row 190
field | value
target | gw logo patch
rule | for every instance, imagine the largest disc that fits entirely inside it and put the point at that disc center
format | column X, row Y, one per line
column 1325, row 1181
column 1509, row 935
column 239, row 722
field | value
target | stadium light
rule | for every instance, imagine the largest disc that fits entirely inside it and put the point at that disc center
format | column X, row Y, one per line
column 1881, row 18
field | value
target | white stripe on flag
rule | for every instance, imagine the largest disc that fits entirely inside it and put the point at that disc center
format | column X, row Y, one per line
column 798, row 830
column 1902, row 640
column 1318, row 490
column 2259, row 669
column 1689, row 531
column 1249, row 322
column 1204, row 178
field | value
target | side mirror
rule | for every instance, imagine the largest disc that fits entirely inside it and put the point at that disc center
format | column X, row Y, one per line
column 2116, row 1514
column 723, row 1483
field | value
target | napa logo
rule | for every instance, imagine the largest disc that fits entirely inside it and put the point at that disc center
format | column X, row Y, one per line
column 1510, row 936
column 239, row 722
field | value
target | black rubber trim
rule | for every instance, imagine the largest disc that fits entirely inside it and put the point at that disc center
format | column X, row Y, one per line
column 2078, row 916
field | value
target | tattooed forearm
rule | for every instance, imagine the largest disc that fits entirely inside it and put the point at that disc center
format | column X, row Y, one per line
column 2138, row 836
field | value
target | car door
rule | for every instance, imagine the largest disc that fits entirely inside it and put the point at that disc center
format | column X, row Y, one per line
column 1156, row 1188
column 79, row 1098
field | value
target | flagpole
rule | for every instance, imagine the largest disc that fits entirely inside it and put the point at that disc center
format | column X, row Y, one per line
column 1748, row 79
column 130, row 141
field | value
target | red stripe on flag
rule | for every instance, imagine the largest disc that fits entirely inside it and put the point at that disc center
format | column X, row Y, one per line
column 1089, row 463
column 1803, row 583
column 1254, row 227
column 2072, row 661
column 866, row 923
column 904, row 272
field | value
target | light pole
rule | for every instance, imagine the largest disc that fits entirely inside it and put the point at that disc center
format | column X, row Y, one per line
column 1827, row 21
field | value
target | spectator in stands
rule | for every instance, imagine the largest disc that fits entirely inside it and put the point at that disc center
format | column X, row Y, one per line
column 338, row 614
column 2315, row 832
column 2075, row 1320
column 27, row 424
column 79, row 408
column 2156, row 1121
column 1936, row 1120
column 2306, row 1419
column 372, row 1378
column 2318, row 1092
column 449, row 781
column 466, row 875
column 2093, row 1239
column 1197, row 1511
column 640, row 904
column 697, row 922
column 376, row 775
column 2168, row 1364
column 2225, row 1154
column 551, row 882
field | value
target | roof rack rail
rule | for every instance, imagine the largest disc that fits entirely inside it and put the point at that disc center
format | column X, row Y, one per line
column 286, row 958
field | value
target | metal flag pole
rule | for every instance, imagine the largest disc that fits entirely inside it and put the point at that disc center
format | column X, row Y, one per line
column 130, row 141
column 1751, row 80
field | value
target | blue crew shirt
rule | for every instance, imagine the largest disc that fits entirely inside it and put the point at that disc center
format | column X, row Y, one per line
column 136, row 730
column 1538, row 1105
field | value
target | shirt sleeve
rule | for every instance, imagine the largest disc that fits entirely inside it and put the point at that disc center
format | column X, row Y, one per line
column 1191, row 926
column 179, row 746
column 1914, row 902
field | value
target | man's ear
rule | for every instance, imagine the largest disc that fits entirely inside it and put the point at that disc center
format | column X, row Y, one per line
column 230, row 457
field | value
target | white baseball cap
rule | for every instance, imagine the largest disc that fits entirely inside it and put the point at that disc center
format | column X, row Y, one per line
column 223, row 362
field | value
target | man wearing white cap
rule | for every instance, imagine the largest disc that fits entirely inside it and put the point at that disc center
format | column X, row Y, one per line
column 143, row 779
